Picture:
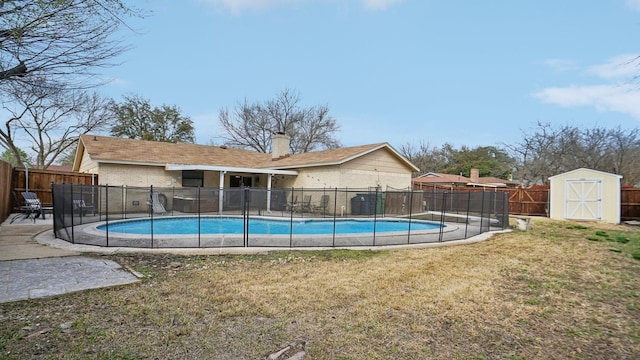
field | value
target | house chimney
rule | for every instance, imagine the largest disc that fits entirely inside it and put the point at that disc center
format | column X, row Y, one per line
column 279, row 145
column 475, row 175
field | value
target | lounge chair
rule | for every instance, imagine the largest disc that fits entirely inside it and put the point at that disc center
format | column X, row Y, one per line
column 31, row 208
column 322, row 206
column 155, row 204
column 25, row 211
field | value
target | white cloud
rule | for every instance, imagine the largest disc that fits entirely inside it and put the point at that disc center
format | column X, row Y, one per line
column 617, row 98
column 634, row 4
column 620, row 66
column 619, row 93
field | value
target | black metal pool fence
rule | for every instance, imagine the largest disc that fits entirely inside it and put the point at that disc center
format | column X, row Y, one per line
column 78, row 210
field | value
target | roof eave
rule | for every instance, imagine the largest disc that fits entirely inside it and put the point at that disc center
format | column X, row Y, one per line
column 177, row 167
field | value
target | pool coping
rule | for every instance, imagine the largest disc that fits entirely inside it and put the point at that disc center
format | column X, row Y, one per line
column 48, row 238
column 88, row 234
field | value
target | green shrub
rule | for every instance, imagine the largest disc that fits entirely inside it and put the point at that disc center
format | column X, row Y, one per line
column 622, row 239
column 577, row 227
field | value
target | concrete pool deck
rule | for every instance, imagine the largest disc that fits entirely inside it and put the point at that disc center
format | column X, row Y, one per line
column 30, row 269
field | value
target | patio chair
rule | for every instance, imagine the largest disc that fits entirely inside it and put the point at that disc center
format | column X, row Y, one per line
column 81, row 207
column 32, row 206
column 25, row 211
column 293, row 205
column 322, row 206
column 306, row 203
column 155, row 204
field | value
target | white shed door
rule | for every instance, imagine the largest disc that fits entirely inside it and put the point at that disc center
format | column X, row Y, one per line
column 583, row 199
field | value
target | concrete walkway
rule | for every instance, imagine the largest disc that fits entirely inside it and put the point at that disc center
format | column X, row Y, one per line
column 29, row 269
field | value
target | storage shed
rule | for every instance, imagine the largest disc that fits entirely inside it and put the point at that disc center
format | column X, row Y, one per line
column 585, row 195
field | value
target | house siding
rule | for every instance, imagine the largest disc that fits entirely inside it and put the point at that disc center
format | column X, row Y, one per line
column 88, row 166
column 368, row 171
column 138, row 175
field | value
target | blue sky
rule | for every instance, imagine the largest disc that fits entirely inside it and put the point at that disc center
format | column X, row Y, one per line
column 467, row 72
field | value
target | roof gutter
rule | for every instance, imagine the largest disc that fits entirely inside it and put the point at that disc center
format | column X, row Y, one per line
column 175, row 167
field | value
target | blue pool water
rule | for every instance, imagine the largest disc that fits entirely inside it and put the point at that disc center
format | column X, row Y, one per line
column 230, row 225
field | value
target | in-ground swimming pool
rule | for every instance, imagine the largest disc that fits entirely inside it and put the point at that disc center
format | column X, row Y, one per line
column 228, row 232
column 235, row 225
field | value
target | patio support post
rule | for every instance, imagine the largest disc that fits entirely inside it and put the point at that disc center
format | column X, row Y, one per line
column 221, row 191
column 269, row 176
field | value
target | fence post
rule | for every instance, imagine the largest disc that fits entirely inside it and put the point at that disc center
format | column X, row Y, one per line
column 335, row 209
column 73, row 235
column 375, row 216
column 410, row 215
column 442, row 216
column 245, row 216
column 151, row 212
column 466, row 225
column 482, row 212
column 291, row 218
column 106, row 209
column 123, row 195
column 199, row 208
column 53, row 213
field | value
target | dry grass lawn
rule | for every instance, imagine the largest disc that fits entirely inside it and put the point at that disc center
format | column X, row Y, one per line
column 560, row 290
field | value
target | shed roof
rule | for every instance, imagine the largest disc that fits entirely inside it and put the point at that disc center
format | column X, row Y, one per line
column 601, row 173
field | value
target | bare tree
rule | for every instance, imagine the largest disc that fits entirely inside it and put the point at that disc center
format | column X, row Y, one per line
column 52, row 119
column 549, row 150
column 426, row 157
column 623, row 154
column 247, row 127
column 251, row 126
column 62, row 40
column 49, row 47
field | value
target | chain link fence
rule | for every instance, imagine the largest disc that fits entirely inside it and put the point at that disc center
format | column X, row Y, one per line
column 153, row 217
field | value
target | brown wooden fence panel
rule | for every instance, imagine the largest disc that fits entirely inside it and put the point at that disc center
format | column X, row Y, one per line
column 531, row 202
column 40, row 181
column 630, row 204
column 6, row 171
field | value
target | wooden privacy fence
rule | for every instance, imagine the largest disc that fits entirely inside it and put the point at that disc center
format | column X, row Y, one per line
column 40, row 181
column 535, row 201
column 630, row 204
column 6, row 171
